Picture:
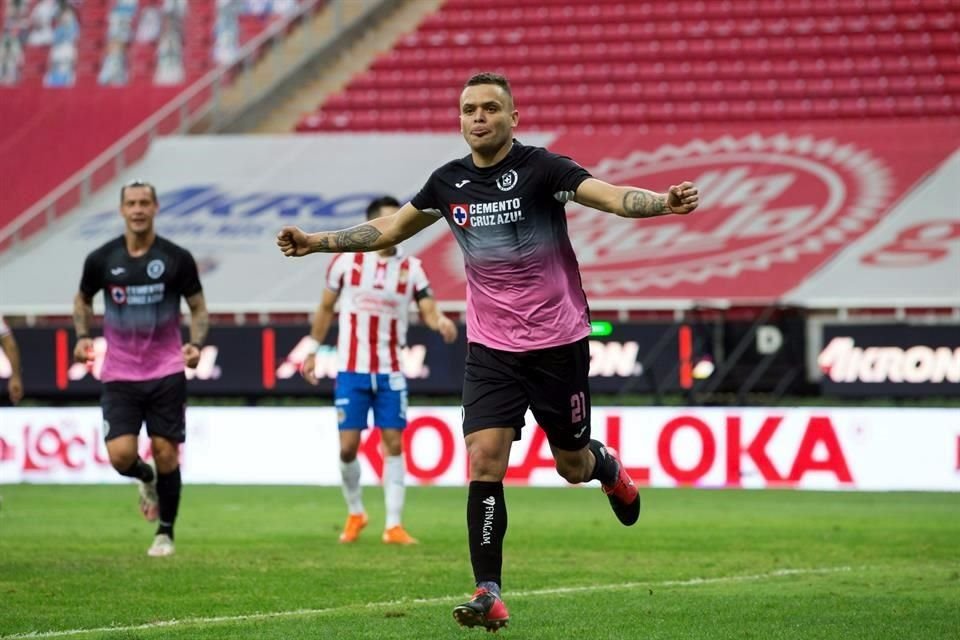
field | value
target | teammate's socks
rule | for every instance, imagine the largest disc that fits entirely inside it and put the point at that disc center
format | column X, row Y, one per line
column 168, row 492
column 139, row 470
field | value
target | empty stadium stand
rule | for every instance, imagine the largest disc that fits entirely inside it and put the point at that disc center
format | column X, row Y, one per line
column 609, row 63
column 49, row 132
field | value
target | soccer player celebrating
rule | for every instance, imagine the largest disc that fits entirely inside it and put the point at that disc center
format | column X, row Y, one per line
column 375, row 292
column 527, row 314
column 143, row 277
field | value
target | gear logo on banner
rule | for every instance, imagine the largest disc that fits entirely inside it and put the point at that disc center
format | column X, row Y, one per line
column 770, row 206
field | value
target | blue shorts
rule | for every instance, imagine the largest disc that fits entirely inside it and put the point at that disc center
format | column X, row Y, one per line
column 357, row 393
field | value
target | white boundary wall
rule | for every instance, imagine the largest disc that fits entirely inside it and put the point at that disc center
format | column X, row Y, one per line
column 806, row 448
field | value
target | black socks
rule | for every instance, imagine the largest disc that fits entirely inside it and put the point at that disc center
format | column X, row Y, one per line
column 139, row 470
column 606, row 469
column 168, row 491
column 486, row 527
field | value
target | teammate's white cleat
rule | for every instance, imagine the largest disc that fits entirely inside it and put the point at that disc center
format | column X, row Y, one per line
column 162, row 546
column 149, row 500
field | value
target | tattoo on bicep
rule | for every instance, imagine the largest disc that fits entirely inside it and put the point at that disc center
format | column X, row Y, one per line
column 642, row 204
column 359, row 238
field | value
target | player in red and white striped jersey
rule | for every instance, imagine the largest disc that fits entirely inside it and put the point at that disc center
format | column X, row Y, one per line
column 375, row 291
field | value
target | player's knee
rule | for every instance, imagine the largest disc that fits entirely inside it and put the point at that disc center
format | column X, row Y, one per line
column 348, row 455
column 393, row 444
column 123, row 460
column 393, row 450
column 166, row 461
column 485, row 467
column 166, row 455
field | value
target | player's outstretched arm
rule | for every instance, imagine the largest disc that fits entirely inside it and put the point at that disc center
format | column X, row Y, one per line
column 634, row 202
column 373, row 235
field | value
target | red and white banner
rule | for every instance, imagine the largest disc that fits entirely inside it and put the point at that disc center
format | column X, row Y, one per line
column 780, row 204
column 911, row 258
column 777, row 203
column 810, row 448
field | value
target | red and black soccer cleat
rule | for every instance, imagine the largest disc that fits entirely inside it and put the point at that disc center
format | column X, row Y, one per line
column 484, row 609
column 623, row 495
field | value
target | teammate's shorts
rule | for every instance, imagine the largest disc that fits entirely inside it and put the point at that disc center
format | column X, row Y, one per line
column 357, row 393
column 160, row 403
column 499, row 386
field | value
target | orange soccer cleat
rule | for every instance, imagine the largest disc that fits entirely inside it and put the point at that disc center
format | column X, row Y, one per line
column 398, row 535
column 355, row 524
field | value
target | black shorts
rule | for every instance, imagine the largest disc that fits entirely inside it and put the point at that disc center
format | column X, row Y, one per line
column 499, row 386
column 161, row 403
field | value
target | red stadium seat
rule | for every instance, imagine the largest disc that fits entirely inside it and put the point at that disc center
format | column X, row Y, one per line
column 607, row 63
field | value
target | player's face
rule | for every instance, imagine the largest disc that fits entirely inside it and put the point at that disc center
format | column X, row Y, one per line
column 487, row 118
column 138, row 209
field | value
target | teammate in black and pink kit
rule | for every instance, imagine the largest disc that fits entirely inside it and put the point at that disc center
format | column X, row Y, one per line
column 143, row 276
column 527, row 314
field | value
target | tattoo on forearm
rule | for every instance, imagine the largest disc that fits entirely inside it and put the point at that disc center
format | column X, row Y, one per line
column 81, row 317
column 199, row 327
column 359, row 238
column 643, row 204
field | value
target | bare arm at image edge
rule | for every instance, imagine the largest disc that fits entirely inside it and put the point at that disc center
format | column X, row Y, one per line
column 15, row 383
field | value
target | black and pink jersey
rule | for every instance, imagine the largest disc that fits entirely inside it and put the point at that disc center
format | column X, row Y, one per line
column 141, row 320
column 523, row 280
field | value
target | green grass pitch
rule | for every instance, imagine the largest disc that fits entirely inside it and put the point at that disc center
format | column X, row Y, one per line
column 264, row 562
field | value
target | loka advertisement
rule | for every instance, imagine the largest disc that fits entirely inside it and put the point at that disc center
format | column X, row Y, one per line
column 756, row 448
column 890, row 360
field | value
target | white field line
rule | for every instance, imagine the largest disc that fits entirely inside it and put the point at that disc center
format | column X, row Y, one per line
column 511, row 595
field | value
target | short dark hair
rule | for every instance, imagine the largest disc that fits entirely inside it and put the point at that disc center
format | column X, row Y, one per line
column 138, row 183
column 378, row 203
column 488, row 77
